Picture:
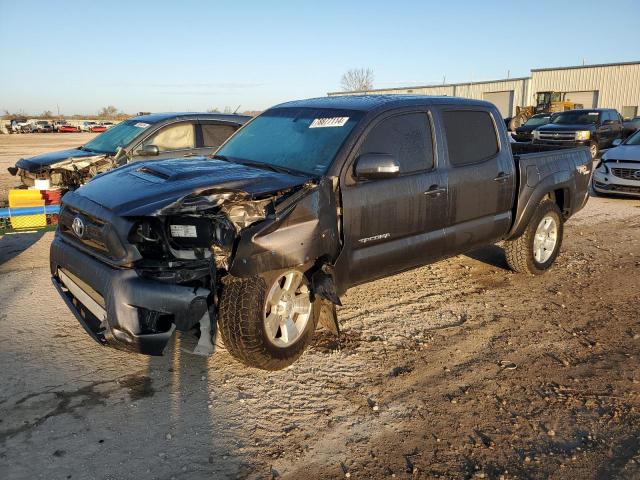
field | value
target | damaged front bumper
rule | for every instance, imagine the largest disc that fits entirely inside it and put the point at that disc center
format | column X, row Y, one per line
column 117, row 307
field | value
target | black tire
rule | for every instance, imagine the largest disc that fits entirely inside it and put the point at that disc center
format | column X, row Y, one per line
column 519, row 252
column 242, row 328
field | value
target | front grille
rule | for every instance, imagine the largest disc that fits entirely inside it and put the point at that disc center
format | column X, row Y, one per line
column 557, row 136
column 627, row 173
column 94, row 236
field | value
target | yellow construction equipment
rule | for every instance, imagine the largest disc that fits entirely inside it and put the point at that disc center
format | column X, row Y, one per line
column 546, row 102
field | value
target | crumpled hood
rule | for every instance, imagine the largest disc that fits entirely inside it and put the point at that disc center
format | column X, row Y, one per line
column 626, row 153
column 554, row 127
column 142, row 188
column 40, row 162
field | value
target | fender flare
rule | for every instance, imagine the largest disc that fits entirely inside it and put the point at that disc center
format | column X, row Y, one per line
column 530, row 197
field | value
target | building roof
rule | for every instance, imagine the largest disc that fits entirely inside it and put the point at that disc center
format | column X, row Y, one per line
column 459, row 84
column 434, row 85
column 373, row 102
column 594, row 65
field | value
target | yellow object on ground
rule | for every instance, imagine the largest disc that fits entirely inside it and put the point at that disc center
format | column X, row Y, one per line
column 27, row 198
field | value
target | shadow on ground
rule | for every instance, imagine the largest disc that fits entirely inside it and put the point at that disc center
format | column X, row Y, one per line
column 491, row 255
column 12, row 245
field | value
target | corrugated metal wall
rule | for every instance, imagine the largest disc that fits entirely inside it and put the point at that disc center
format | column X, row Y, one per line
column 617, row 85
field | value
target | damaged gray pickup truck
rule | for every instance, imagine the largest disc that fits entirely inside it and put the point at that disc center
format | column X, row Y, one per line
column 308, row 199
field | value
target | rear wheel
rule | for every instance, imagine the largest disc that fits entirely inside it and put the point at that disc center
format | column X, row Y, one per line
column 538, row 247
column 268, row 324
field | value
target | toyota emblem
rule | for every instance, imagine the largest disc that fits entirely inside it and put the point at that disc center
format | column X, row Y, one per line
column 78, row 227
column 637, row 174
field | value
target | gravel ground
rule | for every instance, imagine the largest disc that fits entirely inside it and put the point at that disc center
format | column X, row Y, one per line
column 460, row 369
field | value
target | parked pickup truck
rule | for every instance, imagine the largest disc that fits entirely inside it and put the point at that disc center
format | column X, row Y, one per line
column 303, row 202
column 146, row 137
column 594, row 128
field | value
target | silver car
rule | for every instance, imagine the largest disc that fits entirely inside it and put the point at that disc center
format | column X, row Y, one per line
column 618, row 172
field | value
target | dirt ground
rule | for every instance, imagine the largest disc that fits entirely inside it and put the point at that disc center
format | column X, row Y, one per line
column 460, row 369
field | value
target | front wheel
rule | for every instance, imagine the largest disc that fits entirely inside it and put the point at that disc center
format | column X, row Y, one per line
column 268, row 324
column 538, row 247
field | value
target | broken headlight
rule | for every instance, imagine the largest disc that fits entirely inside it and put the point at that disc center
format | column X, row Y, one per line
column 200, row 232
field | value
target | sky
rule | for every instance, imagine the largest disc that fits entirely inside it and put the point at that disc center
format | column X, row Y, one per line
column 196, row 55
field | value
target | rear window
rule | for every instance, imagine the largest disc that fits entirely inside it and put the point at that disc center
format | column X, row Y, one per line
column 215, row 135
column 471, row 136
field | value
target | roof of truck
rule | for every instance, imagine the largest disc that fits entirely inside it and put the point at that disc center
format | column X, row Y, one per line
column 373, row 102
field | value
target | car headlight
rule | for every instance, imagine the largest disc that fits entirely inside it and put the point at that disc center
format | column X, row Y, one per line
column 583, row 135
column 603, row 163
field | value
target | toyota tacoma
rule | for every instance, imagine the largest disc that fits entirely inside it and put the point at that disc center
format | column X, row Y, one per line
column 260, row 241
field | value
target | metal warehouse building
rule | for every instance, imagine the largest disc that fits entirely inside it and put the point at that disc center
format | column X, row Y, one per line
column 610, row 85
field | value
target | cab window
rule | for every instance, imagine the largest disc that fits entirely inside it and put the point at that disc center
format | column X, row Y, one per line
column 214, row 135
column 179, row 136
column 407, row 137
column 471, row 136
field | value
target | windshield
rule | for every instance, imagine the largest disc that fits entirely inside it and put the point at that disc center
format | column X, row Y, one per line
column 633, row 139
column 576, row 117
column 536, row 121
column 302, row 139
column 120, row 135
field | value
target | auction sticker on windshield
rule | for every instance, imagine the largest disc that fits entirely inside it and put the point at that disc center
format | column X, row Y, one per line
column 329, row 122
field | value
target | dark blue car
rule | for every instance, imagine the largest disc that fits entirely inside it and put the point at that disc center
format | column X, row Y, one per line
column 159, row 135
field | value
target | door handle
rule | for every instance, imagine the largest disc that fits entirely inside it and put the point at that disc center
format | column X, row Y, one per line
column 435, row 191
column 502, row 176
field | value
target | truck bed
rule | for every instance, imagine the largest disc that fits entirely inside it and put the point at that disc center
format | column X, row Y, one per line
column 564, row 171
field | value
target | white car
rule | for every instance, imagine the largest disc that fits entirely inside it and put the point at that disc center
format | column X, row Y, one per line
column 618, row 171
column 87, row 126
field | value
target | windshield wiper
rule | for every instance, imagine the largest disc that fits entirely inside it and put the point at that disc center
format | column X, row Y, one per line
column 221, row 157
column 264, row 166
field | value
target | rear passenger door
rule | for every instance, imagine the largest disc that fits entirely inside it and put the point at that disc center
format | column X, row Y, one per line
column 481, row 179
column 395, row 223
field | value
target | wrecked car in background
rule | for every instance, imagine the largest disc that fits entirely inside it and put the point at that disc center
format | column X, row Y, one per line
column 305, row 201
column 151, row 136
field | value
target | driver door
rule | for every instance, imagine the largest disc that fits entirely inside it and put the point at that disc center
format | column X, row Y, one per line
column 393, row 224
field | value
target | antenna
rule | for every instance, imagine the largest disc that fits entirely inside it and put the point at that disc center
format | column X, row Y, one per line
column 236, row 110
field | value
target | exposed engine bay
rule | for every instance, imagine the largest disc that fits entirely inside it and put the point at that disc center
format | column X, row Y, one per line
column 194, row 241
column 69, row 174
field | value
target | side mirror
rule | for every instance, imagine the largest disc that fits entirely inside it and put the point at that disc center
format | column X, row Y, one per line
column 607, row 122
column 149, row 151
column 617, row 142
column 374, row 166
